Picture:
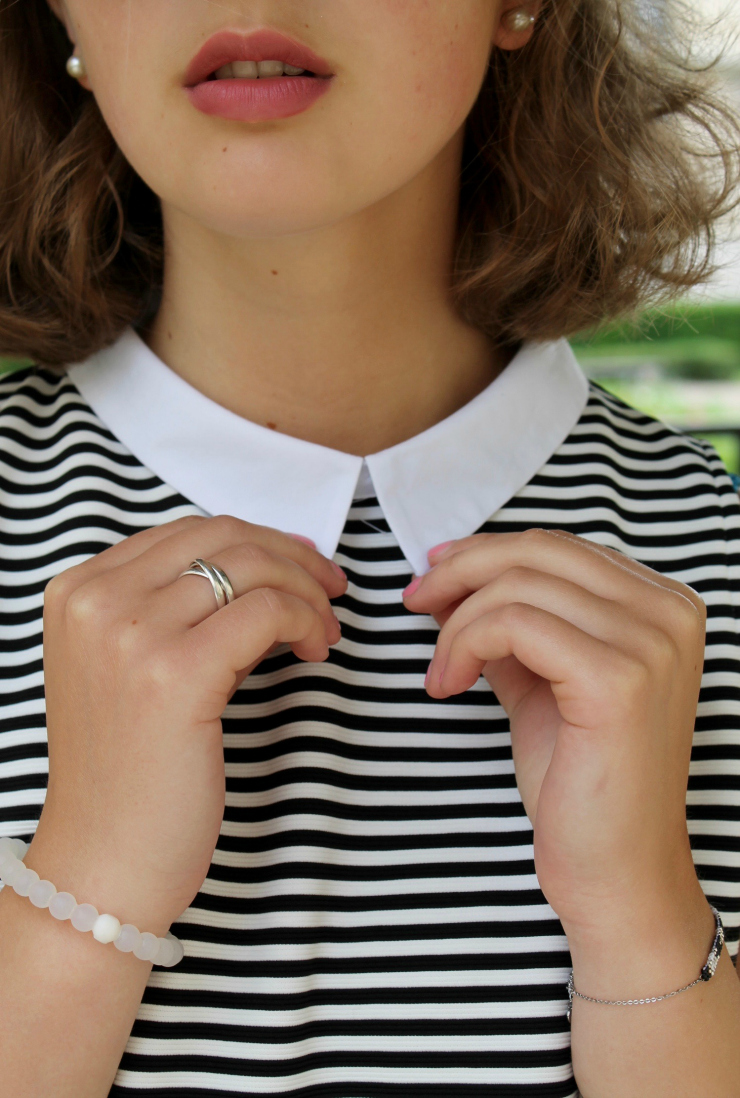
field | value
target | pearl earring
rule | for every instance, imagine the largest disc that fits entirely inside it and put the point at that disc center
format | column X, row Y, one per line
column 519, row 20
column 76, row 67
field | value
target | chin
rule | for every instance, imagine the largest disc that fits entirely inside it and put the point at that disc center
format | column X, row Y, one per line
column 236, row 201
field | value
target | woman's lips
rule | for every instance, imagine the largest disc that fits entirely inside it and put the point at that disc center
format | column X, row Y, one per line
column 258, row 100
column 263, row 99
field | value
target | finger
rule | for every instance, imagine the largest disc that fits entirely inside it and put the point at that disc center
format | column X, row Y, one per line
column 162, row 563
column 605, row 619
column 241, row 633
column 190, row 599
column 583, row 672
column 468, row 565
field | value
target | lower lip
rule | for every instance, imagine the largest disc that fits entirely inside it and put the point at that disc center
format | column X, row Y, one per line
column 259, row 100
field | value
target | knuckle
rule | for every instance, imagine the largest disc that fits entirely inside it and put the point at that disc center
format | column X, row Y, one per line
column 268, row 602
column 229, row 527
column 662, row 645
column 129, row 641
column 247, row 553
column 162, row 670
column 633, row 675
column 537, row 536
column 85, row 607
column 516, row 577
column 60, row 587
column 514, row 614
column 690, row 607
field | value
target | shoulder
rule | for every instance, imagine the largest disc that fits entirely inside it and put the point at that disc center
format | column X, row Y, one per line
column 651, row 460
column 636, row 433
column 629, row 481
column 41, row 408
column 31, row 398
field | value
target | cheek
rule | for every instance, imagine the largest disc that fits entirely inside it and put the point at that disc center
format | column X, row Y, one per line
column 433, row 64
column 125, row 55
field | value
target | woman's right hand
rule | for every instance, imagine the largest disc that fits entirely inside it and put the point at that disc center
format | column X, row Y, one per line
column 138, row 670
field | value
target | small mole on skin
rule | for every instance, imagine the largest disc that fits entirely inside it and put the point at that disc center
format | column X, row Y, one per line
column 134, row 622
column 225, row 148
column 272, row 426
column 169, row 335
column 274, row 272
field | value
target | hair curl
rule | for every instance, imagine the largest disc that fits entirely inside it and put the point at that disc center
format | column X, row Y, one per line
column 596, row 164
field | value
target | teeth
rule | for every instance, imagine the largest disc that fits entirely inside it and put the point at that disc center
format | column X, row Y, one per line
column 270, row 68
column 245, row 70
column 252, row 70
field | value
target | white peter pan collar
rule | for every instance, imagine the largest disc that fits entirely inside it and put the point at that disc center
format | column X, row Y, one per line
column 438, row 486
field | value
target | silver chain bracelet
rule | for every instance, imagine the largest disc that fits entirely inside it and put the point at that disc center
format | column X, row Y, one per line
column 706, row 974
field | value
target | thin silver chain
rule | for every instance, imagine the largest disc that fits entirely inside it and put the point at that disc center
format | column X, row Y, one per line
column 637, row 1002
column 706, row 974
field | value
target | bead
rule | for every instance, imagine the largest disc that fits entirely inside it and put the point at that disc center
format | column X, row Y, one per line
column 164, row 952
column 6, row 845
column 84, row 916
column 127, row 939
column 178, row 951
column 106, row 929
column 62, row 905
column 146, row 947
column 11, row 871
column 41, row 893
column 24, row 881
column 21, row 848
column 7, row 861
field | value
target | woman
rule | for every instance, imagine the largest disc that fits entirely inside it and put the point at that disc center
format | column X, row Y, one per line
column 296, row 277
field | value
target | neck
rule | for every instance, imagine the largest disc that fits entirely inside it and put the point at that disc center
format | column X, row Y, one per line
column 344, row 335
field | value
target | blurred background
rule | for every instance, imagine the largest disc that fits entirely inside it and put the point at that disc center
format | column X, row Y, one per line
column 682, row 364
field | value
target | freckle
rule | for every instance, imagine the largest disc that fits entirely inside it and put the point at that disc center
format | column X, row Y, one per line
column 225, row 148
column 134, row 622
column 274, row 272
column 169, row 335
column 272, row 426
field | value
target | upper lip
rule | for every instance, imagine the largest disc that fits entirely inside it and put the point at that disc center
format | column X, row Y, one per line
column 262, row 45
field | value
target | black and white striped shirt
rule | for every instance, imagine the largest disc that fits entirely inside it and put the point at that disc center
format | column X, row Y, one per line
column 371, row 925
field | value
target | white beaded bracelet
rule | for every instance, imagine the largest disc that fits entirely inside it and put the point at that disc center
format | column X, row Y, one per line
column 167, row 951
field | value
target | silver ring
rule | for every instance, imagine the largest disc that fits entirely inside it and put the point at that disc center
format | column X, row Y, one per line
column 219, row 581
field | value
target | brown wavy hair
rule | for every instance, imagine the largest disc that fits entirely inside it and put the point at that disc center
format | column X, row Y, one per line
column 596, row 164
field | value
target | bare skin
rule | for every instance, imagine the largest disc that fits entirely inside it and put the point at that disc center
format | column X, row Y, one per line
column 351, row 344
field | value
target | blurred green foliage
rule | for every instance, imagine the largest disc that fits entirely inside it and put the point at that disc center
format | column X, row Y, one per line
column 701, row 342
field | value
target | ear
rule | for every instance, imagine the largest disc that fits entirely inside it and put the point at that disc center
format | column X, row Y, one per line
column 59, row 8
column 507, row 38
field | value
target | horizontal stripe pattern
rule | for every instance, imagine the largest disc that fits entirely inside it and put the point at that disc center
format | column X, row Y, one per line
column 371, row 925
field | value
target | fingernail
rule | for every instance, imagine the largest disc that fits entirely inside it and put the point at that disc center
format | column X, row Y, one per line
column 439, row 548
column 339, row 571
column 412, row 587
column 306, row 541
column 442, row 675
column 429, row 674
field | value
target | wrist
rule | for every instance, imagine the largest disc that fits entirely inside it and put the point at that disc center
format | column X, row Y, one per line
column 104, row 883
column 658, row 943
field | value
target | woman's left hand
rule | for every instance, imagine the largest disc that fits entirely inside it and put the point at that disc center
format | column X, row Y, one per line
column 597, row 660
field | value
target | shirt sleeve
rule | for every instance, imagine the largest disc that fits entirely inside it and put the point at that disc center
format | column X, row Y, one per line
column 713, row 796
